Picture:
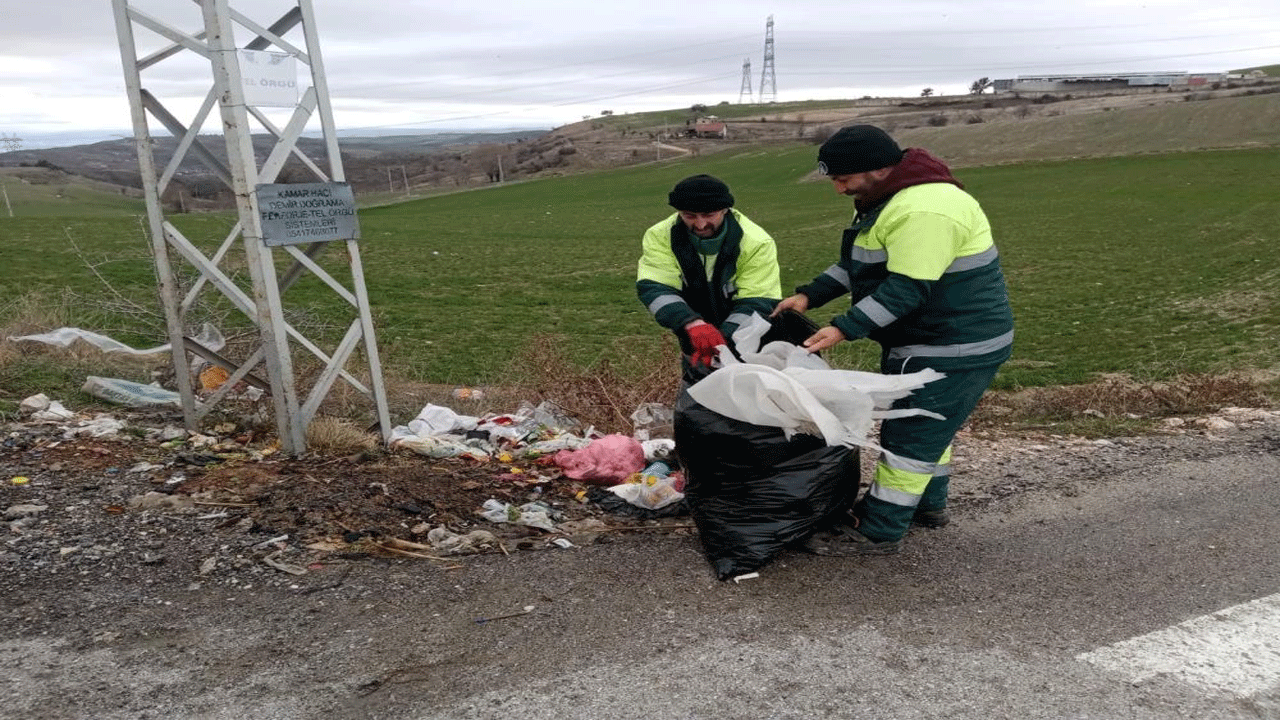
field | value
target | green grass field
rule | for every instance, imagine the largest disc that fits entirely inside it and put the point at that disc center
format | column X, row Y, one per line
column 36, row 192
column 1151, row 266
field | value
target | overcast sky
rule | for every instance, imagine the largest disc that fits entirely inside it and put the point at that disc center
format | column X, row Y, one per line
column 433, row 65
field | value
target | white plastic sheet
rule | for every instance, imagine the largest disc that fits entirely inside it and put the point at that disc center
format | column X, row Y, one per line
column 209, row 337
column 797, row 391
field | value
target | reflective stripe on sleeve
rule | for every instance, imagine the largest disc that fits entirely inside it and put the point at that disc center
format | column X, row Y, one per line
column 973, row 262
column 878, row 313
column 662, row 301
column 868, row 256
column 839, row 274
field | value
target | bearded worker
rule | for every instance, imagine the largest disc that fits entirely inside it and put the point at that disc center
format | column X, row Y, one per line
column 705, row 269
column 924, row 278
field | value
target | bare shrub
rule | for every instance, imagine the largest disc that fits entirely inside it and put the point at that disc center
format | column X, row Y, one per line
column 603, row 394
column 1120, row 397
column 328, row 435
column 938, row 120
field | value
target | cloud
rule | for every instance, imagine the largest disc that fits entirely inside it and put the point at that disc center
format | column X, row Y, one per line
column 420, row 63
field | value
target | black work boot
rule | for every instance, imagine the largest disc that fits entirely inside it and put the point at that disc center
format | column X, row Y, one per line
column 844, row 541
column 932, row 518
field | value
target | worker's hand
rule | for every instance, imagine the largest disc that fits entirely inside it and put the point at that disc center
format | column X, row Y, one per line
column 824, row 338
column 704, row 337
column 798, row 302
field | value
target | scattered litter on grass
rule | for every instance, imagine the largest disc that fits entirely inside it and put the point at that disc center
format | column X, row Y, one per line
column 101, row 425
column 127, row 392
column 161, row 501
column 54, row 412
column 450, row 543
column 532, row 514
column 606, row 461
column 653, row 488
column 531, row 431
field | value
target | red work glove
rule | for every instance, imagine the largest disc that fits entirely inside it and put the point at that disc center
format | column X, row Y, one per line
column 704, row 337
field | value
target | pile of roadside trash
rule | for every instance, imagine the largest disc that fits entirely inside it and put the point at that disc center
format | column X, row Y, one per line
column 769, row 445
column 636, row 468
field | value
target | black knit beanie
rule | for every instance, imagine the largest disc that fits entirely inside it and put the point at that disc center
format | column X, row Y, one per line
column 700, row 193
column 856, row 149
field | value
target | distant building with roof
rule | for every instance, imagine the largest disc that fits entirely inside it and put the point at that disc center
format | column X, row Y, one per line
column 1105, row 81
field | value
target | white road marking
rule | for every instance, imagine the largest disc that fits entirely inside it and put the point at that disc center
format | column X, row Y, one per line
column 1236, row 650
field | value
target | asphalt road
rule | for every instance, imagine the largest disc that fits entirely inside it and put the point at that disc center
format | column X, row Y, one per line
column 1007, row 613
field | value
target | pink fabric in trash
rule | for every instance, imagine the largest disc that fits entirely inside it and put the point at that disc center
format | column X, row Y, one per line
column 606, row 461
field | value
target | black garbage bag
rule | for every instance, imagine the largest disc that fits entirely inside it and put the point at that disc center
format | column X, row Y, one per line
column 752, row 491
column 789, row 326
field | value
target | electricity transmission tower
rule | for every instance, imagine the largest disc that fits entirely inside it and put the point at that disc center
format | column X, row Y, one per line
column 768, row 83
column 746, row 82
column 275, row 239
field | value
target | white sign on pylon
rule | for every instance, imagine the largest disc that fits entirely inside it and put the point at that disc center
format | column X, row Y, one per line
column 234, row 90
column 269, row 79
column 299, row 213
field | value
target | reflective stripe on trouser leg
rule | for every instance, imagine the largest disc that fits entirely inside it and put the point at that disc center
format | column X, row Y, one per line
column 935, row 495
column 885, row 512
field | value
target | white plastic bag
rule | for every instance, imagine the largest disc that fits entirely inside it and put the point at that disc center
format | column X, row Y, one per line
column 133, row 394
column 531, row 514
column 439, row 420
column 651, row 491
column 784, row 386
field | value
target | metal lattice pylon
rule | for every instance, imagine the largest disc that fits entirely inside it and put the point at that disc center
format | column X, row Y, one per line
column 262, row 302
column 768, row 83
column 746, row 82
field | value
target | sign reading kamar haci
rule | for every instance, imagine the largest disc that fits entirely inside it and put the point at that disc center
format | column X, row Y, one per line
column 307, row 212
column 269, row 78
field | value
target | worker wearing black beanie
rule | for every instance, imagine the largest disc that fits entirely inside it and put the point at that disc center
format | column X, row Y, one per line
column 705, row 269
column 700, row 194
column 923, row 275
column 856, row 149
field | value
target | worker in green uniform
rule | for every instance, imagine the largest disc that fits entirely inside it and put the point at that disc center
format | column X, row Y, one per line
column 705, row 269
column 924, row 277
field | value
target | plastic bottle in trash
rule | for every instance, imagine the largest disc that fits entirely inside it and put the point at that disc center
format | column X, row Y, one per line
column 656, row 469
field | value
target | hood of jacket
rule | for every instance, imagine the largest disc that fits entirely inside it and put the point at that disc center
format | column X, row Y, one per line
column 917, row 167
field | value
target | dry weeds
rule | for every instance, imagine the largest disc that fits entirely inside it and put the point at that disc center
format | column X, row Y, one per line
column 604, row 394
column 1120, row 398
column 338, row 436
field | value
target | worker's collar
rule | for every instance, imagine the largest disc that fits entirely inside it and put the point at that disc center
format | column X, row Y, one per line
column 711, row 245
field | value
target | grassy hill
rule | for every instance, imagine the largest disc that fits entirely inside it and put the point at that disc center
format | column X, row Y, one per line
column 1136, row 241
column 1192, row 124
column 42, row 192
column 1269, row 70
